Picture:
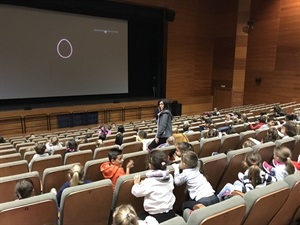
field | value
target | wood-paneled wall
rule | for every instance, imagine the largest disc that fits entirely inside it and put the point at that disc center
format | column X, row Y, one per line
column 274, row 52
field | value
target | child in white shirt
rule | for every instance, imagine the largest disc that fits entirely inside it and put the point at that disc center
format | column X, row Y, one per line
column 157, row 188
column 200, row 190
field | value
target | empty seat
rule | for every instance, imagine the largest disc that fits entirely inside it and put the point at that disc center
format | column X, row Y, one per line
column 287, row 142
column 196, row 146
column 24, row 144
column 8, row 151
column 55, row 177
column 7, row 185
column 213, row 167
column 40, row 164
column 227, row 212
column 289, row 208
column 234, row 165
column 129, row 139
column 194, row 136
column 78, row 157
column 229, row 142
column 87, row 146
column 209, row 145
column 132, row 147
column 41, row 209
column 265, row 150
column 102, row 152
column 86, row 204
column 13, row 168
column 263, row 203
column 10, row 158
column 28, row 156
column 92, row 169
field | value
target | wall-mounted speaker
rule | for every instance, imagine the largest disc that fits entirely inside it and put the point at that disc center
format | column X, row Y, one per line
column 170, row 15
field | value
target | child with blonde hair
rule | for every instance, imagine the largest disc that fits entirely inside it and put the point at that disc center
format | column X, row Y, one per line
column 126, row 215
column 156, row 188
column 75, row 177
column 282, row 163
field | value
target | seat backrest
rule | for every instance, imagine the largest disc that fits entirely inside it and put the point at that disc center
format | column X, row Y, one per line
column 13, row 168
column 265, row 150
column 29, row 155
column 213, row 167
column 239, row 128
column 244, row 136
column 196, row 146
column 7, row 185
column 4, row 146
column 263, row 203
column 78, row 157
column 229, row 142
column 140, row 160
column 87, row 146
column 289, row 208
column 8, row 151
column 87, row 204
column 41, row 209
column 102, row 152
column 209, row 145
column 167, row 150
column 261, row 133
column 194, row 136
column 227, row 212
column 10, row 158
column 132, row 147
column 129, row 139
column 24, row 144
column 55, row 177
column 178, row 220
column 122, row 194
column 296, row 150
column 287, row 142
column 40, row 164
column 60, row 151
column 92, row 169
column 234, row 165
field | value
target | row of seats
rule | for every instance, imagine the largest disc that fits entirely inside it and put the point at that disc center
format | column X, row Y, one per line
column 224, row 166
column 277, row 203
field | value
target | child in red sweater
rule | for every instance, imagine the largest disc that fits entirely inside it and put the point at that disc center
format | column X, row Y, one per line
column 113, row 169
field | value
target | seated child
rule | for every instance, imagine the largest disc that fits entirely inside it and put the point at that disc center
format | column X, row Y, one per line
column 113, row 169
column 71, row 146
column 199, row 189
column 282, row 163
column 75, row 177
column 40, row 152
column 142, row 136
column 157, row 188
column 24, row 188
column 52, row 145
column 253, row 177
column 175, row 156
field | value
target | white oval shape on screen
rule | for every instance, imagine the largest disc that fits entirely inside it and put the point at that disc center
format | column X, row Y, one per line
column 58, row 51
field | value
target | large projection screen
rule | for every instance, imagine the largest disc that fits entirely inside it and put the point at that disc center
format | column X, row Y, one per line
column 48, row 54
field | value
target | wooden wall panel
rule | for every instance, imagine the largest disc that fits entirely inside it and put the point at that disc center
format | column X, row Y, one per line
column 274, row 52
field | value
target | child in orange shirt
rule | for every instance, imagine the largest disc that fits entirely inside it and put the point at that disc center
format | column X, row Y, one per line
column 113, row 169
